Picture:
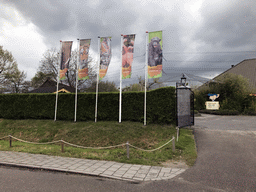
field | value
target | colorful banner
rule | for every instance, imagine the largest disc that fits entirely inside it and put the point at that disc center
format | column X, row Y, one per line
column 83, row 59
column 127, row 55
column 155, row 55
column 65, row 58
column 105, row 55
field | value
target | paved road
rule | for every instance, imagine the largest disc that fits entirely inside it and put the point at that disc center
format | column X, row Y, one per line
column 226, row 153
column 216, row 122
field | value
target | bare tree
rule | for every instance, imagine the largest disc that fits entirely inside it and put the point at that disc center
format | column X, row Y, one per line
column 49, row 66
column 141, row 85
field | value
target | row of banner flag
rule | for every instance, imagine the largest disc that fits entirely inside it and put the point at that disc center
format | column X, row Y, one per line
column 154, row 56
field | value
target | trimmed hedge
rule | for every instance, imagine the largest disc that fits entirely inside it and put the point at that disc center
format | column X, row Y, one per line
column 160, row 106
column 220, row 112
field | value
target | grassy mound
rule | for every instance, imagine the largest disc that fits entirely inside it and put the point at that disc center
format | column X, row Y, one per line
column 100, row 134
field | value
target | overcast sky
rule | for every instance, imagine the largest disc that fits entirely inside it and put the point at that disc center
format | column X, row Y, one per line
column 200, row 37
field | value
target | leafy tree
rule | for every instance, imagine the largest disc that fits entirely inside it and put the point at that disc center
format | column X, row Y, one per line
column 11, row 78
column 7, row 64
column 39, row 78
column 49, row 66
column 233, row 90
column 103, row 87
column 16, row 80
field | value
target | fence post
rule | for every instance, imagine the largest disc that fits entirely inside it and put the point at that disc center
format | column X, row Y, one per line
column 62, row 146
column 127, row 149
column 178, row 133
column 173, row 144
column 10, row 140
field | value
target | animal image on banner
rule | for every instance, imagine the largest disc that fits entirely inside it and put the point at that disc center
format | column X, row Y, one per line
column 83, row 59
column 127, row 55
column 155, row 54
column 65, row 58
column 105, row 55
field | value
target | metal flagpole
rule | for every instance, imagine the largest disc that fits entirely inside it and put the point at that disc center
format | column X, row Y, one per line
column 56, row 102
column 77, row 63
column 120, row 98
column 97, row 85
column 146, row 74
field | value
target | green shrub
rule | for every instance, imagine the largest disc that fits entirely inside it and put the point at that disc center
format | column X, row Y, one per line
column 160, row 106
column 220, row 112
column 233, row 90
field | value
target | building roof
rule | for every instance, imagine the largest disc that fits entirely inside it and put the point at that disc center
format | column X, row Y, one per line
column 246, row 68
column 50, row 86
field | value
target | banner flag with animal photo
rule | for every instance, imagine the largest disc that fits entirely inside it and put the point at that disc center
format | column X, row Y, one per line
column 65, row 58
column 127, row 55
column 105, row 56
column 155, row 54
column 83, row 59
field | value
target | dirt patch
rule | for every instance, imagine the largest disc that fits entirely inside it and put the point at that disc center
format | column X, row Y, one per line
column 175, row 164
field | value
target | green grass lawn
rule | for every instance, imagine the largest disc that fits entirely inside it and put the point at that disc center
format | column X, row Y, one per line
column 100, row 134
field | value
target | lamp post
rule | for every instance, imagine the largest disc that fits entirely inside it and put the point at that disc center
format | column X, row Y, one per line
column 183, row 80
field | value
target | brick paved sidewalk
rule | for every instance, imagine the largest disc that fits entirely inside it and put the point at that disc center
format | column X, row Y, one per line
column 107, row 169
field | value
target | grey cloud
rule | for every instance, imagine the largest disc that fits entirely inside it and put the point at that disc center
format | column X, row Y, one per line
column 230, row 25
column 226, row 26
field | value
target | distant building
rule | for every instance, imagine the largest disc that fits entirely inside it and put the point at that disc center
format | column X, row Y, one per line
column 246, row 68
column 50, row 86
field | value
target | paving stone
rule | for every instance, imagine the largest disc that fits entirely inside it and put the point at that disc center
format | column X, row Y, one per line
column 117, row 175
column 165, row 170
column 112, row 169
column 110, row 176
column 145, row 167
column 138, row 178
column 140, row 175
column 126, row 166
column 131, row 172
column 89, row 169
column 142, row 171
column 108, row 172
column 101, row 169
column 128, row 176
column 152, row 174
column 123, row 169
column 174, row 170
column 154, row 171
column 134, row 168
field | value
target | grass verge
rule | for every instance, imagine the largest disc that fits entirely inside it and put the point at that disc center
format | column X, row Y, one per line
column 100, row 134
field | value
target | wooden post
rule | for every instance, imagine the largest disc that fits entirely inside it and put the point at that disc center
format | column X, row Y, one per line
column 127, row 149
column 178, row 133
column 62, row 146
column 173, row 144
column 10, row 140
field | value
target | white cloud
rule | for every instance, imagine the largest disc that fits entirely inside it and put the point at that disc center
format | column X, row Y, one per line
column 22, row 39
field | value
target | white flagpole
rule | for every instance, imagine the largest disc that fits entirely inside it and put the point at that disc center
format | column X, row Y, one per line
column 120, row 98
column 146, row 74
column 77, row 63
column 56, row 102
column 97, row 85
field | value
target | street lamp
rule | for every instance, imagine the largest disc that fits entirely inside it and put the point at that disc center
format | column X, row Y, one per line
column 183, row 80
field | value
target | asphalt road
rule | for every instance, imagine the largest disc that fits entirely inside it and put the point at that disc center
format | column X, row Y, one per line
column 226, row 162
column 217, row 122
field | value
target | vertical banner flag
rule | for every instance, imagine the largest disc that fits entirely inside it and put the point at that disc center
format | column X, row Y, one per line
column 83, row 59
column 155, row 54
column 105, row 55
column 65, row 58
column 127, row 55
